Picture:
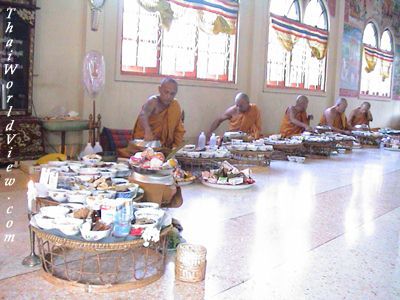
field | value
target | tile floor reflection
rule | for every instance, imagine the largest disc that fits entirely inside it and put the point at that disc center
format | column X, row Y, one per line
column 325, row 229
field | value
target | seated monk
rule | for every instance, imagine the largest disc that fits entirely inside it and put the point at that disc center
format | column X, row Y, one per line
column 335, row 117
column 243, row 116
column 295, row 120
column 159, row 119
column 361, row 115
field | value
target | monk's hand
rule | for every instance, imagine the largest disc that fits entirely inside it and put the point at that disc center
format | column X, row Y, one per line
column 148, row 136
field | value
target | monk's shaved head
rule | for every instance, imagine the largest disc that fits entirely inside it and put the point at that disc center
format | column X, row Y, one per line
column 242, row 102
column 365, row 106
column 341, row 101
column 301, row 103
column 341, row 105
column 301, row 99
column 168, row 90
column 168, row 80
column 241, row 96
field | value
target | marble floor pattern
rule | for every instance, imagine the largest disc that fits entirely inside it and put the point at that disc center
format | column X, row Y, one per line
column 325, row 229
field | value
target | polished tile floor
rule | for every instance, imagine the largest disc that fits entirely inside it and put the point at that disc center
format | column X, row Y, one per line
column 325, row 229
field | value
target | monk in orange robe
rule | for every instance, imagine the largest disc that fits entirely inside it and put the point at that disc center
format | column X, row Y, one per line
column 335, row 117
column 296, row 120
column 243, row 116
column 361, row 115
column 161, row 117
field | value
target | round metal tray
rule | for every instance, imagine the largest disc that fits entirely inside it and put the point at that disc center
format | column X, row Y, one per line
column 164, row 172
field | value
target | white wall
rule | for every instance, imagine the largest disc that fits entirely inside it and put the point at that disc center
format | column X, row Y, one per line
column 63, row 36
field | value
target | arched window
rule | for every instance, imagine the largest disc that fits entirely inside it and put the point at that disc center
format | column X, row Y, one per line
column 297, row 48
column 181, row 39
column 376, row 71
column 287, row 8
column 370, row 35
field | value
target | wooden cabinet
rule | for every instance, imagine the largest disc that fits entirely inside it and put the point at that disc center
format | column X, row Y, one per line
column 17, row 32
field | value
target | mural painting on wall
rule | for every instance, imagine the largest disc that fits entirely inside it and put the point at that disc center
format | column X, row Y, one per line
column 386, row 13
column 351, row 62
column 354, row 12
column 396, row 74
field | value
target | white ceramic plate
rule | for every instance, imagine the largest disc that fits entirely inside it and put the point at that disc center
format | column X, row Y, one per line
column 228, row 186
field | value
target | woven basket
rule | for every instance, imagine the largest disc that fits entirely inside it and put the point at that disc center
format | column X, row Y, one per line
column 194, row 274
column 190, row 262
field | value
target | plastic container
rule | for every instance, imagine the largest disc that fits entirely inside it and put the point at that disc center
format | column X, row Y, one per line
column 201, row 144
column 122, row 220
column 213, row 141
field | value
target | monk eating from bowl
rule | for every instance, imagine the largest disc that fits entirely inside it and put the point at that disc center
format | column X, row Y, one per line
column 335, row 117
column 160, row 117
column 243, row 116
column 361, row 115
column 296, row 120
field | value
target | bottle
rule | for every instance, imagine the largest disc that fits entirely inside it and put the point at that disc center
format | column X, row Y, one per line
column 213, row 141
column 122, row 220
column 201, row 144
column 97, row 148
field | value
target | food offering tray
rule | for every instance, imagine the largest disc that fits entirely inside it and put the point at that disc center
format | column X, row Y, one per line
column 320, row 148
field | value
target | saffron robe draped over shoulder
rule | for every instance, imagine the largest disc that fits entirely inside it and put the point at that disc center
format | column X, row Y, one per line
column 166, row 126
column 289, row 129
column 339, row 122
column 248, row 122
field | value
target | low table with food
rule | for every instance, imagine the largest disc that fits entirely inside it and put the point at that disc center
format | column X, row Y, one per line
column 93, row 230
column 236, row 152
column 317, row 145
column 284, row 147
column 368, row 138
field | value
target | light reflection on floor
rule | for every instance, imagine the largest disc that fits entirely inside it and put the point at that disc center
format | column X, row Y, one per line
column 314, row 230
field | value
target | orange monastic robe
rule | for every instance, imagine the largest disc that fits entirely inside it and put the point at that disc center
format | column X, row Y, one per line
column 339, row 122
column 289, row 129
column 166, row 126
column 359, row 119
column 248, row 122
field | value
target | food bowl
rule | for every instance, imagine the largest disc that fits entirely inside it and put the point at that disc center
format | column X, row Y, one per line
column 91, row 158
column 341, row 151
column 119, row 181
column 252, row 147
column 58, row 195
column 88, row 171
column 54, row 211
column 194, row 154
column 131, row 193
column 44, row 221
column 291, row 158
column 189, row 147
column 207, row 154
column 109, row 194
column 142, row 205
column 111, row 173
column 69, row 226
column 149, row 213
column 90, row 235
column 78, row 196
